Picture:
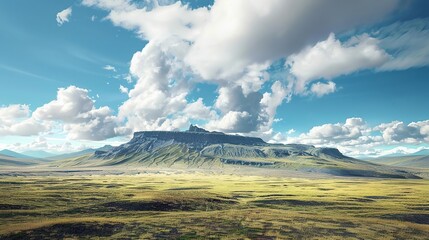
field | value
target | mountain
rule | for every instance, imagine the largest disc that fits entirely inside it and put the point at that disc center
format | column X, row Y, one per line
column 199, row 148
column 80, row 153
column 412, row 161
column 13, row 154
column 10, row 161
column 38, row 154
column 6, row 160
column 423, row 152
column 419, row 159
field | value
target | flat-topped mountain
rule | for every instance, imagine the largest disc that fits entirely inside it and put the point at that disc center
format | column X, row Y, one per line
column 215, row 144
column 198, row 148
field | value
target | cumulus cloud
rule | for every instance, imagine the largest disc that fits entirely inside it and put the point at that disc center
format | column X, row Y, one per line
column 231, row 44
column 241, row 33
column 161, row 88
column 159, row 22
column 397, row 131
column 240, row 112
column 197, row 110
column 398, row 46
column 320, row 88
column 123, row 89
column 64, row 16
column 331, row 58
column 356, row 138
column 16, row 120
column 71, row 103
column 82, row 120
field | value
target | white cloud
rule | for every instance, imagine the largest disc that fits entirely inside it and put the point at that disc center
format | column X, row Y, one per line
column 109, row 68
column 81, row 119
column 16, row 120
column 406, row 42
column 160, row 22
column 123, row 89
column 397, row 131
column 8, row 113
column 128, row 78
column 161, row 88
column 232, row 121
column 320, row 88
column 330, row 58
column 197, row 110
column 241, row 33
column 97, row 124
column 232, row 45
column 69, row 106
column 110, row 4
column 240, row 113
column 356, row 138
column 64, row 16
column 269, row 104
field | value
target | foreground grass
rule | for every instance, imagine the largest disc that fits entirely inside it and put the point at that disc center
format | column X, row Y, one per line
column 198, row 206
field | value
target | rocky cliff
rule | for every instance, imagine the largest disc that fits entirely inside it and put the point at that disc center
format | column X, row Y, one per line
column 214, row 144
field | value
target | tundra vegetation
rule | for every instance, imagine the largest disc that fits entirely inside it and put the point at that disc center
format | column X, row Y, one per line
column 203, row 205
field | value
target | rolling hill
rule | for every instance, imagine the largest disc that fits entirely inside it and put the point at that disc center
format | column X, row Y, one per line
column 6, row 160
column 198, row 148
column 413, row 161
column 13, row 154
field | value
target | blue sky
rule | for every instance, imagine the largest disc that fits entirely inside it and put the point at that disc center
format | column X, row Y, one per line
column 78, row 74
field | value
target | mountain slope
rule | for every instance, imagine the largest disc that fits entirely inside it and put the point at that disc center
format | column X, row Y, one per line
column 88, row 151
column 13, row 154
column 38, row 154
column 198, row 148
column 413, row 161
column 13, row 161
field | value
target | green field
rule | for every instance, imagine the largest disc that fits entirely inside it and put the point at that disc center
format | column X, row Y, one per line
column 170, row 205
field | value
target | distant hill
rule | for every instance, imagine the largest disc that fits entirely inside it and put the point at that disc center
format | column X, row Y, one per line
column 423, row 152
column 414, row 161
column 10, row 161
column 38, row 154
column 198, row 148
column 80, row 153
column 11, row 153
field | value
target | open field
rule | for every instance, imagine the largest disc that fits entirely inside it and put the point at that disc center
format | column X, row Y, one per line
column 169, row 205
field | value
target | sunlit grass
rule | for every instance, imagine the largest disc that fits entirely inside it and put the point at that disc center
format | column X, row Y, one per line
column 203, row 206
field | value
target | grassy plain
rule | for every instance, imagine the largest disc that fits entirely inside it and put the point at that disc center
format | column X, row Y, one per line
column 166, row 205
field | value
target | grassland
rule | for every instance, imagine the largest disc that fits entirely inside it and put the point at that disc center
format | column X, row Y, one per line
column 167, row 205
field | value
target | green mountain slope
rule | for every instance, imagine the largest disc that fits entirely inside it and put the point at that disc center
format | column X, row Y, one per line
column 13, row 161
column 412, row 161
column 13, row 154
column 205, row 150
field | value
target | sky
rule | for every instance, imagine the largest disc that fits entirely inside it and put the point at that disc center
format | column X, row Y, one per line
column 335, row 73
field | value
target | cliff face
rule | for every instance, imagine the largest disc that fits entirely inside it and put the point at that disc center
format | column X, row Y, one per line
column 212, row 144
column 197, row 140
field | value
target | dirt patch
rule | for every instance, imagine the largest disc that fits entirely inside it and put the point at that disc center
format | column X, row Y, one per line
column 69, row 230
column 363, row 200
column 278, row 195
column 292, row 202
column 409, row 217
column 188, row 188
column 379, row 197
column 14, row 207
column 204, row 204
